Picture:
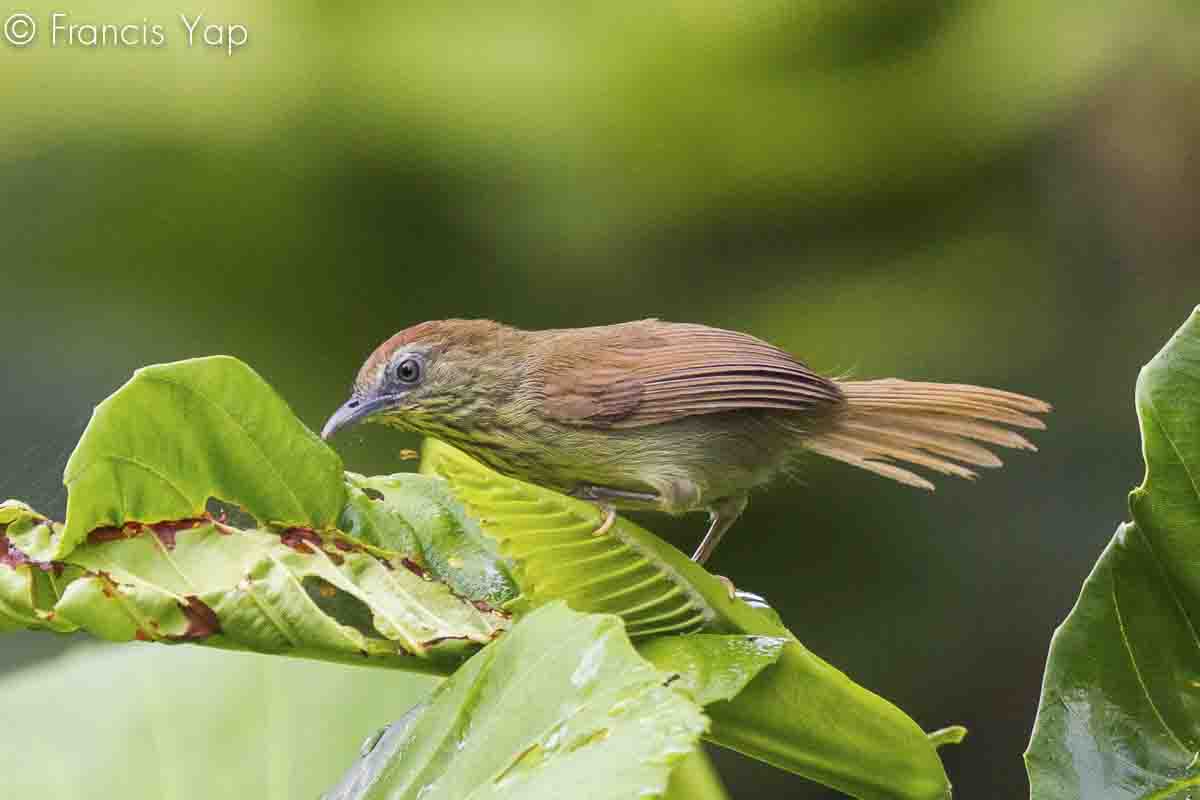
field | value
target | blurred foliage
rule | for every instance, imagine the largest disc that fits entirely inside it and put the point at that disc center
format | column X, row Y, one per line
column 1000, row 192
column 174, row 722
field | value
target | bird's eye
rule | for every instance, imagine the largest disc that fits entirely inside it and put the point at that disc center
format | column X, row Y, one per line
column 408, row 370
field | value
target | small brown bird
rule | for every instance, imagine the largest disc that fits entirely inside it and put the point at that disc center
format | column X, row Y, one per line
column 667, row 416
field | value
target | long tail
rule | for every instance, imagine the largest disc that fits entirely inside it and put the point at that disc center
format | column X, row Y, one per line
column 933, row 425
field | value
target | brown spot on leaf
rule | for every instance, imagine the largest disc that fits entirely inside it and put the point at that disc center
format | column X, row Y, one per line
column 414, row 567
column 142, row 636
column 300, row 539
column 202, row 620
column 109, row 533
column 166, row 531
column 10, row 555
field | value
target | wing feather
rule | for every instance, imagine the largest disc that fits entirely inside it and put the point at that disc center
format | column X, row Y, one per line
column 651, row 372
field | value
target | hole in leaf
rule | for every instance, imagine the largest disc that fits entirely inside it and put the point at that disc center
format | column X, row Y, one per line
column 230, row 514
column 346, row 609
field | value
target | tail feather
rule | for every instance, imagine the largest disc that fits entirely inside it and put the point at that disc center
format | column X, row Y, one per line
column 934, row 425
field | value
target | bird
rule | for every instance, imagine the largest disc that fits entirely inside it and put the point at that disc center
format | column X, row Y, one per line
column 668, row 416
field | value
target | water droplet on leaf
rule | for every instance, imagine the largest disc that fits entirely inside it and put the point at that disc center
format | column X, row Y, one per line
column 369, row 743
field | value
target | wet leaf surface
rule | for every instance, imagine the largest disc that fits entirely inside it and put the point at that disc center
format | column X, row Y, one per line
column 561, row 696
column 1120, row 709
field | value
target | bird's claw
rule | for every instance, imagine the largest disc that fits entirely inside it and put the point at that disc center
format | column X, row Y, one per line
column 610, row 516
column 749, row 598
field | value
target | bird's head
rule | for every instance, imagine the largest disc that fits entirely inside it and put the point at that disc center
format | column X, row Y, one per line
column 425, row 378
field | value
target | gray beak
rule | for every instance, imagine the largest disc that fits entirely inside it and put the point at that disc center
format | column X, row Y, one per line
column 354, row 411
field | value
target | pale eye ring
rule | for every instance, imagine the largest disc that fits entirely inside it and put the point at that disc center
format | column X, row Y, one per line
column 409, row 370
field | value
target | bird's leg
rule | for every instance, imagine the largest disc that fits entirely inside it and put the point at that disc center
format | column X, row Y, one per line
column 722, row 514
column 607, row 499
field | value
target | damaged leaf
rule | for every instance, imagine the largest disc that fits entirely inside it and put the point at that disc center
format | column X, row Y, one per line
column 299, row 594
column 139, row 557
column 418, row 515
column 28, row 589
column 176, row 435
column 562, row 706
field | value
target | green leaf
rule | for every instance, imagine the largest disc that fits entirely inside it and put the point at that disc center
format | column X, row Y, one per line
column 549, row 539
column 141, row 722
column 799, row 714
column 807, row 717
column 178, row 434
column 713, row 667
column 562, row 706
column 1120, row 709
column 695, row 778
column 415, row 514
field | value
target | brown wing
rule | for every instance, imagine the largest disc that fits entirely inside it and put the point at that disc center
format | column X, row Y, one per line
column 649, row 372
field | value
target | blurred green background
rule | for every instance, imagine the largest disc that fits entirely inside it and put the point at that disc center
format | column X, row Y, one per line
column 996, row 192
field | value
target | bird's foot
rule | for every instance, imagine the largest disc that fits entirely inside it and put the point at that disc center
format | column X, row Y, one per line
column 749, row 598
column 610, row 516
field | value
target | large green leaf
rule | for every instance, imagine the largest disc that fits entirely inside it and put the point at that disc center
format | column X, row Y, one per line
column 145, row 722
column 800, row 714
column 562, row 706
column 1120, row 709
column 178, row 434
